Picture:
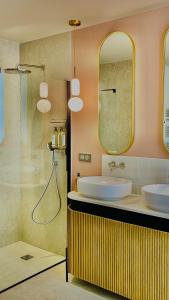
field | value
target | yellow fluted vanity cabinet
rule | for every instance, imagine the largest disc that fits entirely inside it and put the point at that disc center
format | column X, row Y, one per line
column 127, row 259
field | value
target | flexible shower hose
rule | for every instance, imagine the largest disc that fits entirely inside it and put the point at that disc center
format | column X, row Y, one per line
column 54, row 165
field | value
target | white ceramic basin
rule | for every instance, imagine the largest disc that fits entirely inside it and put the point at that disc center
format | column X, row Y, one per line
column 157, row 196
column 105, row 188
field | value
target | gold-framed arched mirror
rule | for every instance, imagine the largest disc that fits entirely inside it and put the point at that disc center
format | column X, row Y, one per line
column 166, row 90
column 116, row 93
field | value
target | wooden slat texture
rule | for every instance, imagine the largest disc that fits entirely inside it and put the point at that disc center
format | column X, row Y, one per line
column 129, row 260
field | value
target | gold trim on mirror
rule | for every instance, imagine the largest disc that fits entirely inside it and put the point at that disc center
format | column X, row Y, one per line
column 132, row 119
column 163, row 89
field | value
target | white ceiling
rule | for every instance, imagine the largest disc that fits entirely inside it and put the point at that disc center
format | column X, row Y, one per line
column 25, row 20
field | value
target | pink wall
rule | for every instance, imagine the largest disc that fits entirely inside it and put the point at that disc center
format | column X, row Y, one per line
column 147, row 32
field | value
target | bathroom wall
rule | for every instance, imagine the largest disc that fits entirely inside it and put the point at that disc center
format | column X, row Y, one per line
column 141, row 170
column 147, row 32
column 55, row 53
column 10, row 148
column 115, row 109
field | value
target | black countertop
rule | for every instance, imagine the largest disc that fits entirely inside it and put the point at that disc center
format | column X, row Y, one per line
column 120, row 214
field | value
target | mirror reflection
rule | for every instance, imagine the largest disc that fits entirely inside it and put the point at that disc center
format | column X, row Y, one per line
column 166, row 92
column 116, row 89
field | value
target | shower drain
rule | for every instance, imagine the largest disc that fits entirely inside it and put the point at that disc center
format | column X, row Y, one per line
column 26, row 257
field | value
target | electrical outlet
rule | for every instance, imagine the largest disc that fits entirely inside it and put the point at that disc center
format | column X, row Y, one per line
column 86, row 157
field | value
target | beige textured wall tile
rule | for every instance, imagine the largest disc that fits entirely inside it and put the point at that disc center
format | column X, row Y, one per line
column 115, row 113
column 10, row 148
column 55, row 53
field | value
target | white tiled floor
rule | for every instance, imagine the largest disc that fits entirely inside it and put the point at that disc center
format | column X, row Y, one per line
column 51, row 285
column 14, row 269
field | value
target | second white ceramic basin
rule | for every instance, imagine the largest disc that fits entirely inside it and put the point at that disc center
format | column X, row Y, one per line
column 157, row 196
column 105, row 188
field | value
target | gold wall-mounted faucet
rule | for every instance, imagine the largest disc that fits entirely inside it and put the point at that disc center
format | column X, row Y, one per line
column 112, row 165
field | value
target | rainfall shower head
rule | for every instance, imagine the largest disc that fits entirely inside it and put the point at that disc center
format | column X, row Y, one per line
column 17, row 70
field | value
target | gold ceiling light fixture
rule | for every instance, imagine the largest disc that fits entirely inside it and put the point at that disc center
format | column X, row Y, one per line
column 74, row 23
column 75, row 103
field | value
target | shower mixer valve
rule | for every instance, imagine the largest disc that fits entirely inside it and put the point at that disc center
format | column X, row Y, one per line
column 50, row 146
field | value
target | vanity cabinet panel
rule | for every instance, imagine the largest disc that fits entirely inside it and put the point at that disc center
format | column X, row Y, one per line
column 130, row 260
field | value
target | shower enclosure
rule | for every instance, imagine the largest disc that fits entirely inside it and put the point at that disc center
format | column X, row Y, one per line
column 27, row 248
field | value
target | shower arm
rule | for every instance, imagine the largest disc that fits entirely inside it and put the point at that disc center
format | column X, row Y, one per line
column 32, row 66
column 19, row 66
column 42, row 67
